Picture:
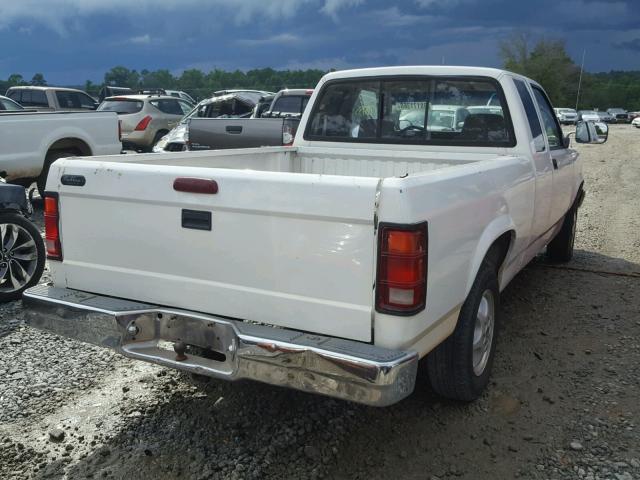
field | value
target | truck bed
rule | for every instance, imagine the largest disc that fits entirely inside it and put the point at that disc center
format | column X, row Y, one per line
column 290, row 232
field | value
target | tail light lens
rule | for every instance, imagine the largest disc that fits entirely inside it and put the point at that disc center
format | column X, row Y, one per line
column 401, row 284
column 289, row 129
column 52, row 227
column 143, row 124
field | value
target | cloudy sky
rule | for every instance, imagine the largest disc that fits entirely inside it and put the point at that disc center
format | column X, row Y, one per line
column 71, row 41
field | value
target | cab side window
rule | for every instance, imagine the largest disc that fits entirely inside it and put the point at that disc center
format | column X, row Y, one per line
column 532, row 115
column 549, row 120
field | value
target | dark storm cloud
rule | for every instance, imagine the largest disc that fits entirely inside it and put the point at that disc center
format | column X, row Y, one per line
column 72, row 40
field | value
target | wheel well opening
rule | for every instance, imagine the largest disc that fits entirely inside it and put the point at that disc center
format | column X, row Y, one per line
column 71, row 145
column 497, row 253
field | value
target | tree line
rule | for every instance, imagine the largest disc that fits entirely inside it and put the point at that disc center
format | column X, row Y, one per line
column 545, row 61
column 195, row 82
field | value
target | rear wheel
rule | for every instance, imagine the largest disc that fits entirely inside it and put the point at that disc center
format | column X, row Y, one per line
column 22, row 255
column 560, row 249
column 41, row 182
column 459, row 367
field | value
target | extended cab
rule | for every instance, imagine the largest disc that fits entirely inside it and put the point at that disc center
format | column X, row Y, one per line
column 331, row 266
column 31, row 141
column 57, row 99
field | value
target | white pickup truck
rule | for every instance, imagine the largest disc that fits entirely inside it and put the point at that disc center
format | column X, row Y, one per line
column 30, row 142
column 384, row 235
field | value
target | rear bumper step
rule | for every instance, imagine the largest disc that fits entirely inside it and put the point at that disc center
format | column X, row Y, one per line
column 339, row 368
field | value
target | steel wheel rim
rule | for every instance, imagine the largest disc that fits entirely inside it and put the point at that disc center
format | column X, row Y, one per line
column 483, row 332
column 18, row 257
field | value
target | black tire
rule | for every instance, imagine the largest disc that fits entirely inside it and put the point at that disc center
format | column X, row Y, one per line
column 560, row 249
column 450, row 366
column 16, row 275
column 51, row 157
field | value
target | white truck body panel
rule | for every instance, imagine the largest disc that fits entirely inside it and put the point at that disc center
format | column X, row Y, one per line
column 27, row 137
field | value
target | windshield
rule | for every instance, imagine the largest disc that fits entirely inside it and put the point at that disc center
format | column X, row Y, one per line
column 9, row 105
column 122, row 106
column 438, row 111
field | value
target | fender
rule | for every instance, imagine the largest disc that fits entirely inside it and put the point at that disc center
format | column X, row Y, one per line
column 66, row 132
column 495, row 229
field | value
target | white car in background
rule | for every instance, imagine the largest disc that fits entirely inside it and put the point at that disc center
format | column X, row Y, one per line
column 636, row 122
column 182, row 95
column 566, row 116
column 588, row 116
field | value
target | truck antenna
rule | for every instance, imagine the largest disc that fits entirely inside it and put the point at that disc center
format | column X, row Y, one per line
column 584, row 52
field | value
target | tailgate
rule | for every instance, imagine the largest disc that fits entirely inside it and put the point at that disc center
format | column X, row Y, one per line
column 286, row 249
column 214, row 133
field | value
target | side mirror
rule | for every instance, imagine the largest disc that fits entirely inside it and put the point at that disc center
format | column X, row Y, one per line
column 592, row 132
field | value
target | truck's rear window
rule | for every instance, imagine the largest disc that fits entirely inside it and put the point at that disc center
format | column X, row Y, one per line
column 290, row 105
column 414, row 110
column 121, row 106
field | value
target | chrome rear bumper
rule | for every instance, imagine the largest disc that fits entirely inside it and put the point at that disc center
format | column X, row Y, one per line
column 339, row 368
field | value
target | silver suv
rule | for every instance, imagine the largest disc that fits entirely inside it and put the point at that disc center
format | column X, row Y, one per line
column 145, row 119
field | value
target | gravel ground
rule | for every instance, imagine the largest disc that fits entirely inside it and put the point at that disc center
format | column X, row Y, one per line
column 564, row 400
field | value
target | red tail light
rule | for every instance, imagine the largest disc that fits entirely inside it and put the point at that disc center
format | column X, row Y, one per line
column 51, row 227
column 143, row 124
column 401, row 284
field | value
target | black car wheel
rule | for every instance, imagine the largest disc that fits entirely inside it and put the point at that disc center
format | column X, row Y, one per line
column 22, row 255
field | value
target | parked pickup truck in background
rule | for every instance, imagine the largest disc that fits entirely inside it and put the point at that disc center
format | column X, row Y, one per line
column 31, row 142
column 233, row 104
column 620, row 115
column 56, row 99
column 218, row 133
column 331, row 266
column 277, row 126
column 566, row 116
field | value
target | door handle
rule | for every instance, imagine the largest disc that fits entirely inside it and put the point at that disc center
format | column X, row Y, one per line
column 555, row 163
column 234, row 129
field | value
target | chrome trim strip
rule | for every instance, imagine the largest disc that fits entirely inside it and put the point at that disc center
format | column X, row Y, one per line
column 330, row 366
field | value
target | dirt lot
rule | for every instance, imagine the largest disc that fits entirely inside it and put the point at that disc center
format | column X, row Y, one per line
column 564, row 401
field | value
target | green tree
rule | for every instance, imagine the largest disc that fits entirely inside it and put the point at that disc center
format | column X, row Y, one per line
column 122, row 77
column 157, row 79
column 15, row 79
column 546, row 62
column 91, row 88
column 38, row 79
